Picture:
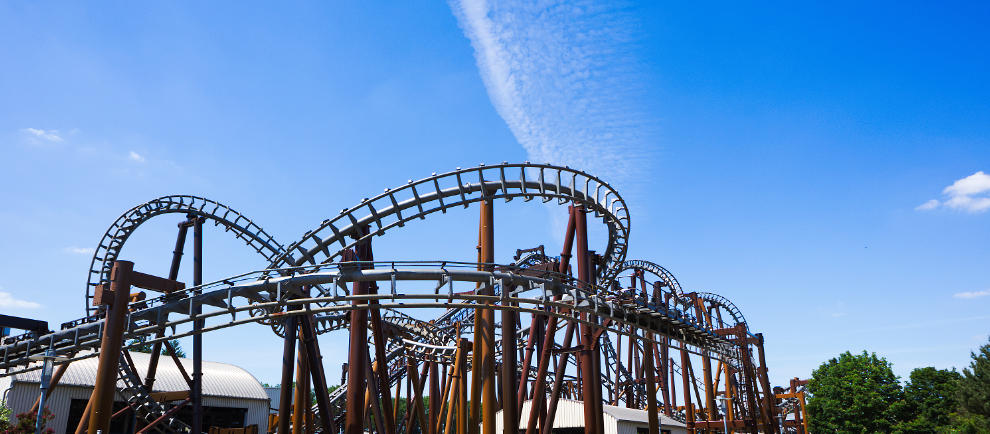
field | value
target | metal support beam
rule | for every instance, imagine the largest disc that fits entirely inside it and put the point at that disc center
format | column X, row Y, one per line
column 197, row 349
column 110, row 346
column 285, row 391
column 317, row 373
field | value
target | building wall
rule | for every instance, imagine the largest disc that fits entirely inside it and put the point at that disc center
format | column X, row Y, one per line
column 22, row 395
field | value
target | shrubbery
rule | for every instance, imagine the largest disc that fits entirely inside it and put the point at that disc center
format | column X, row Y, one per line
column 860, row 393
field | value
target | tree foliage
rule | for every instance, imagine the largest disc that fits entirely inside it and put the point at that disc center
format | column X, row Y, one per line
column 929, row 400
column 143, row 347
column 973, row 393
column 853, row 393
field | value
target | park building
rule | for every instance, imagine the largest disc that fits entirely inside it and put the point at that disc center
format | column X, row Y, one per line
column 232, row 397
column 569, row 419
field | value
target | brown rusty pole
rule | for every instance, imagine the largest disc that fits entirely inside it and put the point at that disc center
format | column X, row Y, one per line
column 300, row 401
column 375, row 317
column 558, row 378
column 686, row 386
column 706, row 362
column 462, row 393
column 354, row 413
column 539, row 389
column 197, row 374
column 436, row 403
column 768, row 398
column 527, row 361
column 510, row 417
column 317, row 374
column 483, row 400
column 110, row 346
column 588, row 380
column 173, row 274
column 665, row 377
column 285, row 390
column 651, row 386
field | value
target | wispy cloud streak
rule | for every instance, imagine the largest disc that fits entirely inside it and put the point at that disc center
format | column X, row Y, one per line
column 564, row 77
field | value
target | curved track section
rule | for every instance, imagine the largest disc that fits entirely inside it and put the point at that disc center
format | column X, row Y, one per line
column 438, row 193
column 113, row 240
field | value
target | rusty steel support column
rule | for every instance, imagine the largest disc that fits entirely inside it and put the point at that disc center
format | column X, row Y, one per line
column 588, row 378
column 662, row 355
column 300, row 401
column 173, row 274
column 686, row 385
column 197, row 350
column 651, row 386
column 558, row 379
column 436, row 403
column 729, row 413
column 357, row 354
column 483, row 400
column 527, row 362
column 534, row 330
column 415, row 406
column 539, row 389
column 285, row 390
column 317, row 374
column 375, row 322
column 462, row 392
column 110, row 346
column 372, row 394
column 768, row 397
column 510, row 417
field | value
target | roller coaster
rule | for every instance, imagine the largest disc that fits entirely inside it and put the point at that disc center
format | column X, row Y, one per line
column 583, row 325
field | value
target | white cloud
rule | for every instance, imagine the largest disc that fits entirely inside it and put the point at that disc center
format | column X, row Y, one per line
column 932, row 204
column 8, row 301
column 134, row 156
column 971, row 294
column 43, row 135
column 564, row 78
column 79, row 250
column 976, row 183
column 971, row 194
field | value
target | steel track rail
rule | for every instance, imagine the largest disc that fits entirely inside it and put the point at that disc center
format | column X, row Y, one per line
column 223, row 298
column 438, row 193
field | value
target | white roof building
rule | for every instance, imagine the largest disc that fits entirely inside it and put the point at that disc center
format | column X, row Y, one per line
column 569, row 418
column 234, row 396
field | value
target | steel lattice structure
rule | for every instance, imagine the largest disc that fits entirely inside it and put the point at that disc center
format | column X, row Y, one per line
column 631, row 327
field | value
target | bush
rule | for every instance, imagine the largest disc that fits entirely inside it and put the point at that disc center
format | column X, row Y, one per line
column 25, row 423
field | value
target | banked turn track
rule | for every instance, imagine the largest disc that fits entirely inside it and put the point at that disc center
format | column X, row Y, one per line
column 316, row 261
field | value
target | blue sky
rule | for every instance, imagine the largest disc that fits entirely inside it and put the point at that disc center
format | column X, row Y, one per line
column 779, row 155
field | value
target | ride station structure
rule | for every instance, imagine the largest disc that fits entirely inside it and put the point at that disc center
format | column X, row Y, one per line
column 586, row 325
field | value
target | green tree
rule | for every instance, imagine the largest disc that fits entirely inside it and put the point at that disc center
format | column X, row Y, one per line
column 929, row 400
column 853, row 393
column 973, row 394
column 143, row 347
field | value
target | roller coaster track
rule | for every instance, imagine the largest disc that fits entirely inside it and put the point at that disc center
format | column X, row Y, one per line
column 108, row 250
column 315, row 261
column 462, row 187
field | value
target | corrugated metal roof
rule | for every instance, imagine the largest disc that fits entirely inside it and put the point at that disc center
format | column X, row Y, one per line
column 219, row 379
column 570, row 414
column 635, row 415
